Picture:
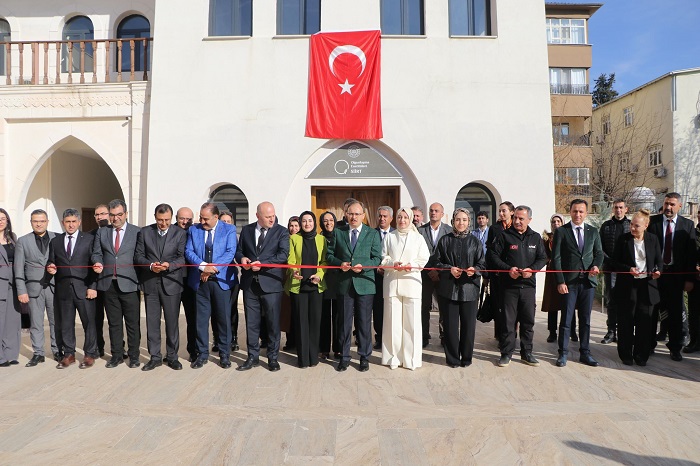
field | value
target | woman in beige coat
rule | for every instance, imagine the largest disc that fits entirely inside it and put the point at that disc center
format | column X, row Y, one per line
column 403, row 251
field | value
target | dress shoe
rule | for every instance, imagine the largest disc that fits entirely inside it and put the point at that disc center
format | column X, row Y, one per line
column 87, row 362
column 102, row 352
column 66, row 361
column 36, row 359
column 225, row 362
column 530, row 360
column 152, row 364
column 453, row 366
column 14, row 362
column 466, row 363
column 640, row 362
column 574, row 337
column 114, row 362
column 691, row 347
column 5, row 364
column 609, row 337
column 588, row 360
column 199, row 362
column 377, row 345
column 425, row 343
column 273, row 365
column 552, row 337
column 234, row 346
column 628, row 362
column 676, row 356
column 125, row 355
column 249, row 363
column 57, row 356
column 504, row 361
column 192, row 358
column 134, row 363
column 364, row 365
column 342, row 366
column 215, row 348
column 661, row 336
column 561, row 360
column 175, row 365
column 324, row 356
column 337, row 356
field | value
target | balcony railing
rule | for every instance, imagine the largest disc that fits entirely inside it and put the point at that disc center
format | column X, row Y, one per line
column 572, row 139
column 578, row 89
column 71, row 61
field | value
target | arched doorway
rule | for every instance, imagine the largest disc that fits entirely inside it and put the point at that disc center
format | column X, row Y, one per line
column 230, row 197
column 74, row 176
column 476, row 197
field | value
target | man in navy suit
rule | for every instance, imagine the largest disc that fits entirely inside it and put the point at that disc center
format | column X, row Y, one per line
column 211, row 245
column 262, row 242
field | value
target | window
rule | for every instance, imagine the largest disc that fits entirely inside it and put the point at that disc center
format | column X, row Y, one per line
column 298, row 17
column 476, row 197
column 402, row 17
column 577, row 178
column 623, row 164
column 568, row 81
column 560, row 133
column 606, row 125
column 628, row 113
column 470, row 17
column 4, row 37
column 78, row 28
column 566, row 31
column 655, row 155
column 230, row 17
column 229, row 197
column 133, row 27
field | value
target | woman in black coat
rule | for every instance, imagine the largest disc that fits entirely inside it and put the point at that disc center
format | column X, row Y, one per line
column 637, row 255
column 462, row 256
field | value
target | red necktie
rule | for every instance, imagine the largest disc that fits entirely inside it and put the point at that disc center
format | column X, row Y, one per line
column 116, row 241
column 668, row 239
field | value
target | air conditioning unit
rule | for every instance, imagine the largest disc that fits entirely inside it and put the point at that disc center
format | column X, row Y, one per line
column 634, row 168
column 660, row 172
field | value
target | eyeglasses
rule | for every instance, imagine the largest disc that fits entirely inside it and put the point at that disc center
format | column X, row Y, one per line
column 351, row 214
column 120, row 215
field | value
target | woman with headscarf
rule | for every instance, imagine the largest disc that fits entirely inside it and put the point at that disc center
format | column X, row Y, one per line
column 286, row 320
column 10, row 317
column 330, row 331
column 305, row 286
column 461, row 256
column 404, row 253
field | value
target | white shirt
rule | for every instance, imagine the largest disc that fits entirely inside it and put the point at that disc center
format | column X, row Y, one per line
column 206, row 232
column 673, row 221
column 72, row 246
column 382, row 233
column 583, row 229
column 640, row 257
column 359, row 230
column 122, row 229
column 434, row 233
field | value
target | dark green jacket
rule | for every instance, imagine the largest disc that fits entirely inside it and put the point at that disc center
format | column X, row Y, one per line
column 566, row 256
column 368, row 252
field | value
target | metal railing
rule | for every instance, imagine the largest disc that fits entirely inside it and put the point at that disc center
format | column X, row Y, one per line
column 578, row 89
column 572, row 139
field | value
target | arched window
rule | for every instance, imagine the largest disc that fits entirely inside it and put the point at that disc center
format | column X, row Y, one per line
column 4, row 37
column 133, row 27
column 230, row 17
column 229, row 197
column 78, row 28
column 476, row 197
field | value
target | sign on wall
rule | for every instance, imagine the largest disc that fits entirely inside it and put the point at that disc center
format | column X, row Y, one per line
column 354, row 160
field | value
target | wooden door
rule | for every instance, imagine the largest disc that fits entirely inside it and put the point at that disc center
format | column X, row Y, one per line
column 332, row 198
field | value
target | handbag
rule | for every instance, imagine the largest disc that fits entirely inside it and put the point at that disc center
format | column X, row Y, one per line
column 485, row 313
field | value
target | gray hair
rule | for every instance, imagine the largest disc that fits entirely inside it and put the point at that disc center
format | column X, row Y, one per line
column 387, row 208
column 525, row 208
column 71, row 213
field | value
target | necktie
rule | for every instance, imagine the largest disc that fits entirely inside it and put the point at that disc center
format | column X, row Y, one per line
column 261, row 239
column 116, row 241
column 668, row 240
column 69, row 248
column 580, row 239
column 209, row 247
column 383, row 235
column 353, row 239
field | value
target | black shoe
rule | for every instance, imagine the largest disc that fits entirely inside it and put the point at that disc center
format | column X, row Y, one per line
column 36, row 359
column 199, row 362
column 640, row 362
column 377, row 345
column 6, row 364
column 691, row 347
column 234, row 346
column 552, row 337
column 273, row 365
column 14, row 362
column 175, row 365
column 114, row 362
column 289, row 348
column 58, row 356
column 454, row 365
column 574, row 337
column 588, row 360
column 249, row 363
column 125, row 355
column 150, row 365
column 561, row 360
column 466, row 363
column 425, row 343
column 609, row 337
column 530, row 360
column 660, row 336
column 504, row 361
column 337, row 356
column 342, row 366
column 192, row 358
column 627, row 362
column 134, row 363
column 364, row 365
column 225, row 362
column 676, row 356
column 101, row 351
column 215, row 348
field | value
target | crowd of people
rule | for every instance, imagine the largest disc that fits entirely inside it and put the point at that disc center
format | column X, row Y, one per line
column 330, row 281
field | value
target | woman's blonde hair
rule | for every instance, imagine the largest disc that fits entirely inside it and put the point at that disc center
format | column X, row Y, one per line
column 643, row 213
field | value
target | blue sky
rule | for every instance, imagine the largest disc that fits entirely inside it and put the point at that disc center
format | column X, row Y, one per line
column 640, row 40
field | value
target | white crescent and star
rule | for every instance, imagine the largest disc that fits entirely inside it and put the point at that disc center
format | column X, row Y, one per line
column 353, row 50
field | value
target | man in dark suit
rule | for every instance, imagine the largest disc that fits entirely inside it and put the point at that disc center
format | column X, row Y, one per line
column 676, row 236
column 69, row 261
column 210, row 244
column 262, row 242
column 385, row 215
column 355, row 246
column 35, row 286
column 102, row 220
column 113, row 256
column 161, row 247
column 188, row 297
column 577, row 256
column 431, row 232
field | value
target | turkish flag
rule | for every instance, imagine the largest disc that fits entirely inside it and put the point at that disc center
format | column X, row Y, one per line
column 344, row 100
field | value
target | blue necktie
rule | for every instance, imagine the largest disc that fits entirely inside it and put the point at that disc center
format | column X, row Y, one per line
column 209, row 247
column 353, row 239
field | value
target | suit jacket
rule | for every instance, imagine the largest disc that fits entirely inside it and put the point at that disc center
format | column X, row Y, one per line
column 149, row 250
column 683, row 246
column 224, row 248
column 30, row 273
column 295, row 244
column 275, row 250
column 103, row 253
column 566, row 256
column 6, row 275
column 414, row 252
column 79, row 279
column 623, row 259
column 368, row 252
column 424, row 230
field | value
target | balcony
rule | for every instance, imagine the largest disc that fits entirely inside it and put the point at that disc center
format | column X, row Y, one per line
column 572, row 140
column 75, row 62
column 575, row 89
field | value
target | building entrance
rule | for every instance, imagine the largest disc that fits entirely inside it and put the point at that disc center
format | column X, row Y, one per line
column 331, row 199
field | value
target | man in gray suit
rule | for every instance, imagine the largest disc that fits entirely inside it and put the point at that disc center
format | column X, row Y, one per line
column 432, row 232
column 35, row 286
column 113, row 258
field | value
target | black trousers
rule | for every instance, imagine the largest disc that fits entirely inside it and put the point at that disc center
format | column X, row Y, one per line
column 634, row 328
column 100, row 320
column 170, row 307
column 359, row 308
column 235, row 291
column 331, row 326
column 378, row 308
column 427, row 304
column 671, row 291
column 518, row 306
column 258, row 307
column 694, row 315
column 213, row 303
column 306, row 315
column 610, row 302
column 459, row 319
column 123, row 309
column 65, row 305
column 497, row 303
column 553, row 321
column 188, row 298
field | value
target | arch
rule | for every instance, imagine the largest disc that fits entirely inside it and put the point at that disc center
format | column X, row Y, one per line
column 78, row 28
column 5, row 36
column 476, row 196
column 230, row 197
column 134, row 26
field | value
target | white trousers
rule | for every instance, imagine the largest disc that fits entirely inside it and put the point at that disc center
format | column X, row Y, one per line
column 402, row 335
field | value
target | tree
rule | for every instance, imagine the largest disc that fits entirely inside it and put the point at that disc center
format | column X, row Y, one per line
column 604, row 91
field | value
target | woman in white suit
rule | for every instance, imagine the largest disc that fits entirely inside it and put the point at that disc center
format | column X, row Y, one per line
column 403, row 250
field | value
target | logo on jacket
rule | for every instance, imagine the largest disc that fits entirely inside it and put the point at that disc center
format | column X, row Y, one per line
column 514, row 246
